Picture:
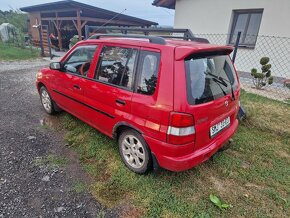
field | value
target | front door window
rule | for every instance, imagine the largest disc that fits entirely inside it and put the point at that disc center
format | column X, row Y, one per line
column 80, row 60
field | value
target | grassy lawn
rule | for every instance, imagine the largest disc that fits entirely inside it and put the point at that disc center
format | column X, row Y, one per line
column 9, row 52
column 253, row 176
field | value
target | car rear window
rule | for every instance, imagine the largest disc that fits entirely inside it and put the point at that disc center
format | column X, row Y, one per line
column 209, row 77
column 148, row 70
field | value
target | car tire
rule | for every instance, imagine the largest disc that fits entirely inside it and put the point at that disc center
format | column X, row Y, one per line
column 135, row 152
column 46, row 101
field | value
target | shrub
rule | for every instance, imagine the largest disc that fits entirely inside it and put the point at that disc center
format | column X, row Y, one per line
column 73, row 41
column 261, row 79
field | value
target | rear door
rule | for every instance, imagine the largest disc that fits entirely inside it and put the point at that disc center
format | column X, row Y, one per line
column 109, row 92
column 212, row 95
column 145, row 97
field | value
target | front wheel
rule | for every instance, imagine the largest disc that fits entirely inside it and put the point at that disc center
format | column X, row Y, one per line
column 135, row 152
column 46, row 101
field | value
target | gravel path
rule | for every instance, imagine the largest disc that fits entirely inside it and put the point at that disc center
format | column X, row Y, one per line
column 29, row 185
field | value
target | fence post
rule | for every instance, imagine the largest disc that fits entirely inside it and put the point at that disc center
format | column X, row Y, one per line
column 236, row 46
column 86, row 31
column 49, row 43
column 40, row 40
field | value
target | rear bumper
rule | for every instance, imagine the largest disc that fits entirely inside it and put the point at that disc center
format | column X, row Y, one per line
column 193, row 158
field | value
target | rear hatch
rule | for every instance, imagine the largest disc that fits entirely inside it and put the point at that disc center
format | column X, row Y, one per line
column 212, row 91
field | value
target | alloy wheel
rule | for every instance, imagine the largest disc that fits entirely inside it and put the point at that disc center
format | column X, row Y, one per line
column 46, row 101
column 133, row 151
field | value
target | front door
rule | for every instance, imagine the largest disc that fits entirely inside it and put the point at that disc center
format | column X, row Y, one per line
column 68, row 84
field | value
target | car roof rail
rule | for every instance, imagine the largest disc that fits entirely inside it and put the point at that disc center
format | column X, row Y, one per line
column 145, row 33
column 194, row 39
column 152, row 39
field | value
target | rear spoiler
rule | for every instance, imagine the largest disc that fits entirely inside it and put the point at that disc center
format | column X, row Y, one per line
column 187, row 52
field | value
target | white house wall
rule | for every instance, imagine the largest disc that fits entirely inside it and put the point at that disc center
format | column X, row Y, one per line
column 214, row 17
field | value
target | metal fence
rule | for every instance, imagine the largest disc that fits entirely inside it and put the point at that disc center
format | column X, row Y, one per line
column 248, row 57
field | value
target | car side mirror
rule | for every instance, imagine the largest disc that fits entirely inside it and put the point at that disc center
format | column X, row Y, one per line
column 55, row 66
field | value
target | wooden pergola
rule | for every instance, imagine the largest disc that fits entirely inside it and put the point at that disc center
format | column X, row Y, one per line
column 78, row 14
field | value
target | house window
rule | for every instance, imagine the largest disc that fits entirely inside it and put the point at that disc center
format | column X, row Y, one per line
column 248, row 23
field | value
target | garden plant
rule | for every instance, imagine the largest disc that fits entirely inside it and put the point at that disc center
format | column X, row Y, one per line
column 261, row 79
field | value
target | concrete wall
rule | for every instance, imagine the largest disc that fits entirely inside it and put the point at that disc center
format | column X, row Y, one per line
column 207, row 16
column 215, row 17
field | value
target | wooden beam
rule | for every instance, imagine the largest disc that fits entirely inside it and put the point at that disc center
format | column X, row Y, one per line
column 84, row 23
column 75, row 24
column 58, row 24
column 118, row 22
column 79, row 24
column 54, row 22
column 97, row 20
column 58, row 10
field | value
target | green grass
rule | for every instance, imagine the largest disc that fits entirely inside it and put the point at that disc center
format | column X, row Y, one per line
column 253, row 176
column 10, row 53
column 52, row 161
column 79, row 187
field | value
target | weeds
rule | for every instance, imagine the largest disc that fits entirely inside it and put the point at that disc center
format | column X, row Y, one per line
column 10, row 52
column 52, row 161
column 79, row 187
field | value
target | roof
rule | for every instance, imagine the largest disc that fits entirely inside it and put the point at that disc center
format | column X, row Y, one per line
column 165, row 3
column 67, row 4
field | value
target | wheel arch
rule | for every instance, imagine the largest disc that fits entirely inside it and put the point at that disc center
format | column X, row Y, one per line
column 57, row 108
column 39, row 85
column 122, row 126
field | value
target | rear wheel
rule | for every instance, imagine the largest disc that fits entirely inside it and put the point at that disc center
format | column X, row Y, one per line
column 46, row 101
column 135, row 152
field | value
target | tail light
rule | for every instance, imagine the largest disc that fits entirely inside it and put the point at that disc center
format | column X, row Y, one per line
column 181, row 129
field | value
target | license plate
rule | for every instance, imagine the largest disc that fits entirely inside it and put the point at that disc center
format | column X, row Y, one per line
column 219, row 126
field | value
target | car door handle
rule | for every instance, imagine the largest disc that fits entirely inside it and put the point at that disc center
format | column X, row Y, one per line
column 118, row 101
column 77, row 87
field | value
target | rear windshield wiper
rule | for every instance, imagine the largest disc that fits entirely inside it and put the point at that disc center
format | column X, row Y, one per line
column 218, row 79
column 223, row 81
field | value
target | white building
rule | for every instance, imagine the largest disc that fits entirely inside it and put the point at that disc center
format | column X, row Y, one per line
column 264, row 25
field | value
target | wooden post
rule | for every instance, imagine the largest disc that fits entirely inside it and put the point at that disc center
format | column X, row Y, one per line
column 58, row 26
column 79, row 24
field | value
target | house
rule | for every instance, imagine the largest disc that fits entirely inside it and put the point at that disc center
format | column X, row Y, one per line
column 68, row 18
column 264, row 27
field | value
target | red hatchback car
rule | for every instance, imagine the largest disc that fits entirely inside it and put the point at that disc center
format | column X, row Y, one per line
column 169, row 103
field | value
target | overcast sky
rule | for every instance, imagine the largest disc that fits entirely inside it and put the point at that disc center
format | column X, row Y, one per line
column 138, row 8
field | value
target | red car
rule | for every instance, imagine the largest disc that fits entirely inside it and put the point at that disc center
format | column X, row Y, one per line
column 168, row 103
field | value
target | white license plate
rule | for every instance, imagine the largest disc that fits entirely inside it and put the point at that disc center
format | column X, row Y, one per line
column 219, row 126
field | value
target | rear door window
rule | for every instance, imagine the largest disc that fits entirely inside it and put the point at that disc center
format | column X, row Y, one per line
column 209, row 78
column 116, row 66
column 148, row 72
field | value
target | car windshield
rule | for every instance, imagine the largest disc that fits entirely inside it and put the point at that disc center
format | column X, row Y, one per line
column 209, row 78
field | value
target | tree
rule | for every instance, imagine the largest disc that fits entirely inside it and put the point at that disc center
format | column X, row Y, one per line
column 261, row 79
column 15, row 17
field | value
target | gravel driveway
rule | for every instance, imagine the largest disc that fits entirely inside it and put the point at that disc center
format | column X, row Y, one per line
column 29, row 185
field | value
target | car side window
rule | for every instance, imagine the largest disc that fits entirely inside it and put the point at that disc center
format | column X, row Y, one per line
column 148, row 69
column 116, row 66
column 79, row 61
